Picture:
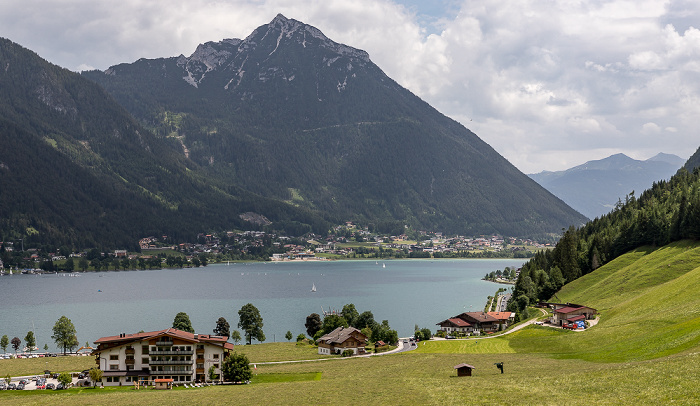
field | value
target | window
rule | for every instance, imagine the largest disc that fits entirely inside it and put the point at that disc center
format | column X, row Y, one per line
column 144, row 349
column 114, row 367
column 113, row 357
column 216, row 356
column 144, row 360
column 216, row 366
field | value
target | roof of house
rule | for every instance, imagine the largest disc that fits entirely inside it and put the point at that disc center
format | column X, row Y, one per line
column 569, row 309
column 477, row 317
column 342, row 334
column 501, row 315
column 456, row 321
column 464, row 366
column 577, row 318
column 171, row 332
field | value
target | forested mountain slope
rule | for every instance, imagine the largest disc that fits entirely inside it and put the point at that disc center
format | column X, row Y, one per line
column 77, row 170
column 289, row 114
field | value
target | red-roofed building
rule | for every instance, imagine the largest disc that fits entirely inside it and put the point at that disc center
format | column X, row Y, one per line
column 567, row 313
column 474, row 322
column 455, row 324
column 164, row 354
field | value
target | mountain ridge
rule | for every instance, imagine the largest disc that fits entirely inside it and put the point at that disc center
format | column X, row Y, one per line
column 611, row 178
column 289, row 114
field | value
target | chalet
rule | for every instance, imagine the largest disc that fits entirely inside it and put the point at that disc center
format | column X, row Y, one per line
column 341, row 339
column 455, row 324
column 503, row 317
column 567, row 313
column 473, row 322
column 165, row 354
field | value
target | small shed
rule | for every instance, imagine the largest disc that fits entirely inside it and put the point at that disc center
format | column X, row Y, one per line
column 464, row 369
column 163, row 384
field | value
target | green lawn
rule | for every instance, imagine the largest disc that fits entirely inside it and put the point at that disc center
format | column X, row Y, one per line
column 271, row 352
column 36, row 366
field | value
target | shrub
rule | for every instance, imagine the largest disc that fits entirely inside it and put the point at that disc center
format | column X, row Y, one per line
column 348, row 353
column 236, row 368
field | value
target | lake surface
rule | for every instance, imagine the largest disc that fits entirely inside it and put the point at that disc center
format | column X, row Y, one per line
column 404, row 292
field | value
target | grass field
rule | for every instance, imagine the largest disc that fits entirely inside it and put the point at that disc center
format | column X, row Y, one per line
column 644, row 351
column 36, row 366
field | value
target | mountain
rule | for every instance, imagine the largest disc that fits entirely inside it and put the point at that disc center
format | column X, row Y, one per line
column 594, row 188
column 77, row 170
column 693, row 162
column 291, row 115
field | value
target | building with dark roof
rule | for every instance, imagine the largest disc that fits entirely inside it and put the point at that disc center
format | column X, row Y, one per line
column 475, row 322
column 164, row 354
column 341, row 339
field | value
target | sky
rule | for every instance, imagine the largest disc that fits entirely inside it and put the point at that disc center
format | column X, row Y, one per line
column 549, row 84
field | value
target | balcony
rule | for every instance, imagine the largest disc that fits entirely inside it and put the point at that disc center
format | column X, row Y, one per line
column 129, row 361
column 176, row 372
column 170, row 352
column 200, row 350
column 171, row 362
column 165, row 343
column 130, row 351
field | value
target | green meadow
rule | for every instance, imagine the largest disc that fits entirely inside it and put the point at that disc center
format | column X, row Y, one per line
column 645, row 350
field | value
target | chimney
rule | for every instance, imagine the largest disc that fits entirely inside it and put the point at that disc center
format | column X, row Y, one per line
column 196, row 336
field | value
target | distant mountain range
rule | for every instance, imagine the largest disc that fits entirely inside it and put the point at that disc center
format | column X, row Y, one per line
column 594, row 187
column 285, row 125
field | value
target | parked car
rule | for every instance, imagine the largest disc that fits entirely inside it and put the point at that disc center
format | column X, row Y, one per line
column 11, row 386
column 81, row 376
column 59, row 386
column 50, row 386
column 20, row 386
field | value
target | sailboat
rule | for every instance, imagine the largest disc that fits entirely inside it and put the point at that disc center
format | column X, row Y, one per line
column 383, row 265
column 313, row 287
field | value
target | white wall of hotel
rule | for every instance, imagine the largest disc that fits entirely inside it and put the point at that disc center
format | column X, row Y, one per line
column 113, row 361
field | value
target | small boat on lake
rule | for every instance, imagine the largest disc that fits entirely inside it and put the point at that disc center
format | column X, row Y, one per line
column 313, row 287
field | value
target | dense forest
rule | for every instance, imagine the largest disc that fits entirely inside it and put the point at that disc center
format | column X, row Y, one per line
column 668, row 211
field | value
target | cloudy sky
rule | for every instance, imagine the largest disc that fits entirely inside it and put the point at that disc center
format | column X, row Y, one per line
column 549, row 84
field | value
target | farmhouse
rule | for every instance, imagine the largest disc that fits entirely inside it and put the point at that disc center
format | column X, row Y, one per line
column 341, row 339
column 455, row 324
column 567, row 313
column 164, row 354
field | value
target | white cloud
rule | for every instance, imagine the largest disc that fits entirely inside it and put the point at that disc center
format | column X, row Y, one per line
column 548, row 84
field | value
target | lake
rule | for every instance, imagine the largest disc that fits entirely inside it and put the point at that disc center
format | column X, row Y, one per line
column 404, row 292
